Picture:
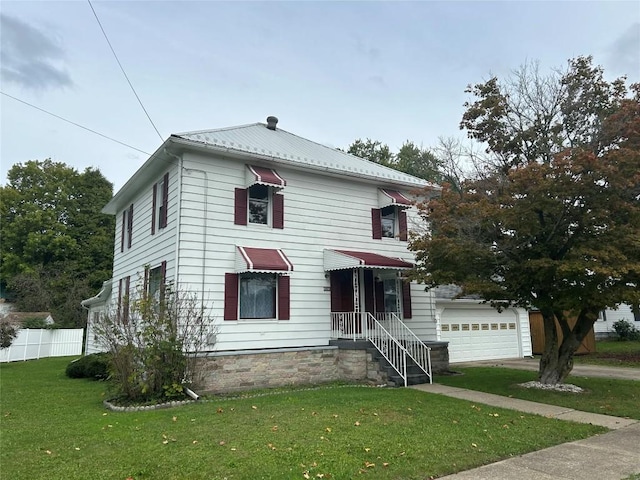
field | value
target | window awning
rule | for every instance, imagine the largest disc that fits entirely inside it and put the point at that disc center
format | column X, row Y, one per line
column 392, row 197
column 270, row 260
column 264, row 176
column 343, row 259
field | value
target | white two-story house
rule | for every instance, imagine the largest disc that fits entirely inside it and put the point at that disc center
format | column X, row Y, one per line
column 292, row 245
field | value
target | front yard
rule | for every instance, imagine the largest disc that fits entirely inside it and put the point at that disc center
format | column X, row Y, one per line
column 619, row 398
column 57, row 428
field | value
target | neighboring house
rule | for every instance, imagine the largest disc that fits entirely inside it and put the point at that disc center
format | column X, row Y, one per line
column 17, row 319
column 293, row 245
column 604, row 325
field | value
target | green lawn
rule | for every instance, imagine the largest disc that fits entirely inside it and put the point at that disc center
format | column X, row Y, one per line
column 56, row 428
column 607, row 396
column 613, row 353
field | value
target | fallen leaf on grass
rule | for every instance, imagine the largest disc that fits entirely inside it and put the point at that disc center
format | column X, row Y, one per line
column 254, row 407
column 328, row 429
column 367, row 449
column 219, row 410
column 222, row 442
column 194, row 442
column 357, row 424
column 306, row 475
column 48, row 452
column 175, row 419
column 385, row 464
column 274, row 428
column 474, row 445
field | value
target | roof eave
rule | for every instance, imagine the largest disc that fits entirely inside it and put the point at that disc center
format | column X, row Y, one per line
column 138, row 181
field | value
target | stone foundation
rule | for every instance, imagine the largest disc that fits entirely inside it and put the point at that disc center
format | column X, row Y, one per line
column 227, row 372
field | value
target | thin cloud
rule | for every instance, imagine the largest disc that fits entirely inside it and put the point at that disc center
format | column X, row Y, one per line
column 624, row 53
column 30, row 58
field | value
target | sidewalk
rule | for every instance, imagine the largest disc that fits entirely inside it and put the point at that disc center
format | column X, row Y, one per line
column 611, row 456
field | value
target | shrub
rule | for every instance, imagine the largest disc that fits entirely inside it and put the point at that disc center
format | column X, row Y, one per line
column 95, row 366
column 626, row 331
column 154, row 340
column 8, row 333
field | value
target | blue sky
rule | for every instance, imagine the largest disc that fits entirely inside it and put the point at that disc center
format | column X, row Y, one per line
column 330, row 71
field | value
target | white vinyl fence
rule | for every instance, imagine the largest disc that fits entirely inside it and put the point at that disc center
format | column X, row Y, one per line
column 32, row 343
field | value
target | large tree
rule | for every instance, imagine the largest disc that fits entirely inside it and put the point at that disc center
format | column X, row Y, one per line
column 57, row 248
column 553, row 221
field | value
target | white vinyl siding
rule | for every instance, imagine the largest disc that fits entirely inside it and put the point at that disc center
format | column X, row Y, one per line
column 320, row 212
column 148, row 249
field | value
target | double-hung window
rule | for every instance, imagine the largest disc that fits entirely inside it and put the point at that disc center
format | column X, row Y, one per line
column 257, row 295
column 126, row 233
column 390, row 219
column 159, row 204
column 260, row 287
column 260, row 203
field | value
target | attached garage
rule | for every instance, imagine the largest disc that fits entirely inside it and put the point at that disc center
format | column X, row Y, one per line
column 479, row 332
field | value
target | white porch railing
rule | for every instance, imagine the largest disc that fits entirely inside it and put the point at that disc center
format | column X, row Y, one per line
column 391, row 337
column 416, row 348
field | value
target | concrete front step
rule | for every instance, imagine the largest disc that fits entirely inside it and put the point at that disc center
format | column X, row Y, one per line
column 415, row 374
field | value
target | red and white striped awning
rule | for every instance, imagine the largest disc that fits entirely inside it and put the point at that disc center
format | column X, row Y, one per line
column 392, row 197
column 264, row 176
column 268, row 260
column 346, row 259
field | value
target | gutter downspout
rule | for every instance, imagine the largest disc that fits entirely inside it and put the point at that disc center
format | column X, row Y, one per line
column 179, row 220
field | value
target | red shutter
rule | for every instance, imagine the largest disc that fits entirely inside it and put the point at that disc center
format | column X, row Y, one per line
column 119, row 314
column 376, row 223
column 230, row 296
column 163, row 280
column 130, row 226
column 124, row 227
column 284, row 296
column 145, row 285
column 165, row 201
column 240, row 208
column 154, row 194
column 406, row 299
column 402, row 225
column 125, row 315
column 278, row 211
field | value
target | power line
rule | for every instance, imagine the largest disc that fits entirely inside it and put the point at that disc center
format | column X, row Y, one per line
column 123, row 72
column 74, row 123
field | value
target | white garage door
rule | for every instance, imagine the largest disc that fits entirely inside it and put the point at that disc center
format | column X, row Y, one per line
column 480, row 334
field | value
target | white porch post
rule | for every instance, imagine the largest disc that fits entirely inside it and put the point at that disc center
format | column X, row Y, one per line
column 356, row 301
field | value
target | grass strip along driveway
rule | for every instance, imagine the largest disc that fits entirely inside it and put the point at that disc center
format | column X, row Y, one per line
column 57, row 428
column 619, row 398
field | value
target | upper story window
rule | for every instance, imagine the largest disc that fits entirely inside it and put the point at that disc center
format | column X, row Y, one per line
column 390, row 220
column 126, row 232
column 260, row 203
column 160, row 204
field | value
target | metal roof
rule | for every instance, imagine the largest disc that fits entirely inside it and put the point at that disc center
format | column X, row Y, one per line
column 279, row 144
